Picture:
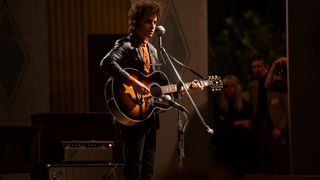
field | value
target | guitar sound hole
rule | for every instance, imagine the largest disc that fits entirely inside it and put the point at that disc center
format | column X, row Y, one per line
column 155, row 90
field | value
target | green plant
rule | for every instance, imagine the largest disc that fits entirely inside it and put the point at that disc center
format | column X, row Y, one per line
column 242, row 39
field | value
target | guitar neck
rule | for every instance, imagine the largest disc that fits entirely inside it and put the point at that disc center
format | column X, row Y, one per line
column 174, row 87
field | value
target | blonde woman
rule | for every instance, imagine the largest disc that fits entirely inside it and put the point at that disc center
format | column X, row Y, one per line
column 234, row 129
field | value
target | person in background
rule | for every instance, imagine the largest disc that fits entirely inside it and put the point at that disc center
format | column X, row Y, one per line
column 263, row 125
column 257, row 90
column 234, row 136
column 276, row 84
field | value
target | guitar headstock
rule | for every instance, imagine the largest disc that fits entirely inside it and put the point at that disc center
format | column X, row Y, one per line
column 215, row 83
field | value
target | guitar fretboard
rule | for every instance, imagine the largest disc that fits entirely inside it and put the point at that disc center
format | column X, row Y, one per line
column 173, row 87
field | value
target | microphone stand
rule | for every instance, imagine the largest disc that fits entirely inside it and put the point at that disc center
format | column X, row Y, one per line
column 181, row 127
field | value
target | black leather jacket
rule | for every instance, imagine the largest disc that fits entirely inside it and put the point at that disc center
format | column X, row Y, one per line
column 125, row 54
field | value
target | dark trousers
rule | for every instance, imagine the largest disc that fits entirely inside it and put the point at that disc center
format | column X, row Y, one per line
column 139, row 145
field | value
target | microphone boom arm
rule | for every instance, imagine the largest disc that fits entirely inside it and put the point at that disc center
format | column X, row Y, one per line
column 163, row 51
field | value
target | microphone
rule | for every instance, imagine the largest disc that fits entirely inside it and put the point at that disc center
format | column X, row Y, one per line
column 167, row 98
column 160, row 30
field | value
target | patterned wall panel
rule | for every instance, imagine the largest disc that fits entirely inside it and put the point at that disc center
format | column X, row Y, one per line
column 70, row 21
column 13, row 55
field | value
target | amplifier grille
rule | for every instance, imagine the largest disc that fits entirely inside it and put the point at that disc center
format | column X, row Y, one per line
column 88, row 150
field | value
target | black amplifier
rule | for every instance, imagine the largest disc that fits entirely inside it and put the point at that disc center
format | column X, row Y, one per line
column 90, row 151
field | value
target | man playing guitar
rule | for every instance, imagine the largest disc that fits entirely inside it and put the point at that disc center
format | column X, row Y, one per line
column 135, row 51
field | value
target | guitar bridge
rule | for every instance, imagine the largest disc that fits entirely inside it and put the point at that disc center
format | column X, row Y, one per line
column 138, row 100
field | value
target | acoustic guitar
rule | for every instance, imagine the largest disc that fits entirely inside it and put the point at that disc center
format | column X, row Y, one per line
column 130, row 107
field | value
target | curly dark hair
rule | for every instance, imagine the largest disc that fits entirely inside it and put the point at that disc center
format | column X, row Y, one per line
column 140, row 9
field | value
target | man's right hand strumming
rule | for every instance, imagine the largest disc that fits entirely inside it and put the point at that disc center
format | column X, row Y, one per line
column 139, row 86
